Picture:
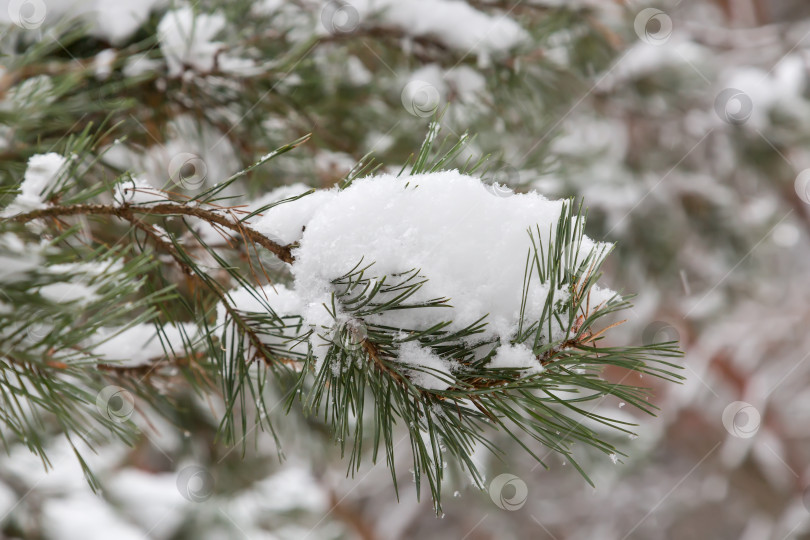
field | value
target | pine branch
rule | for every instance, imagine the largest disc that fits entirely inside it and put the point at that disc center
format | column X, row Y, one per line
column 359, row 364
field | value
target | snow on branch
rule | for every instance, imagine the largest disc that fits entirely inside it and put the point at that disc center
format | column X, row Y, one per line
column 431, row 298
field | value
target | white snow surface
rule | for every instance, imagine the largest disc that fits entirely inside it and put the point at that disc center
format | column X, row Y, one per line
column 453, row 22
column 140, row 344
column 68, row 292
column 151, row 500
column 782, row 87
column 17, row 258
column 113, row 20
column 429, row 370
column 186, row 39
column 516, row 356
column 39, row 178
column 470, row 242
column 87, row 517
column 103, row 63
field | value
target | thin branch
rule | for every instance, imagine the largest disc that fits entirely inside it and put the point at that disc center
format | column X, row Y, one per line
column 126, row 212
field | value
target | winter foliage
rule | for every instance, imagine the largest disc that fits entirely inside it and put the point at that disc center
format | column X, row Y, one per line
column 320, row 269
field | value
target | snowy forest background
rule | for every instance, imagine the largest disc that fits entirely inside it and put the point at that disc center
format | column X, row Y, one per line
column 685, row 127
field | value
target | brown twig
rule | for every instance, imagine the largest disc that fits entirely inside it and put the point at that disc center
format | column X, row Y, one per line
column 373, row 353
column 127, row 212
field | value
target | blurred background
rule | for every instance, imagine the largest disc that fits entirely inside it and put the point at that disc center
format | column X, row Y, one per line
column 684, row 126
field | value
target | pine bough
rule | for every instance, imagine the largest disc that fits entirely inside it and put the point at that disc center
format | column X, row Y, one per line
column 427, row 301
